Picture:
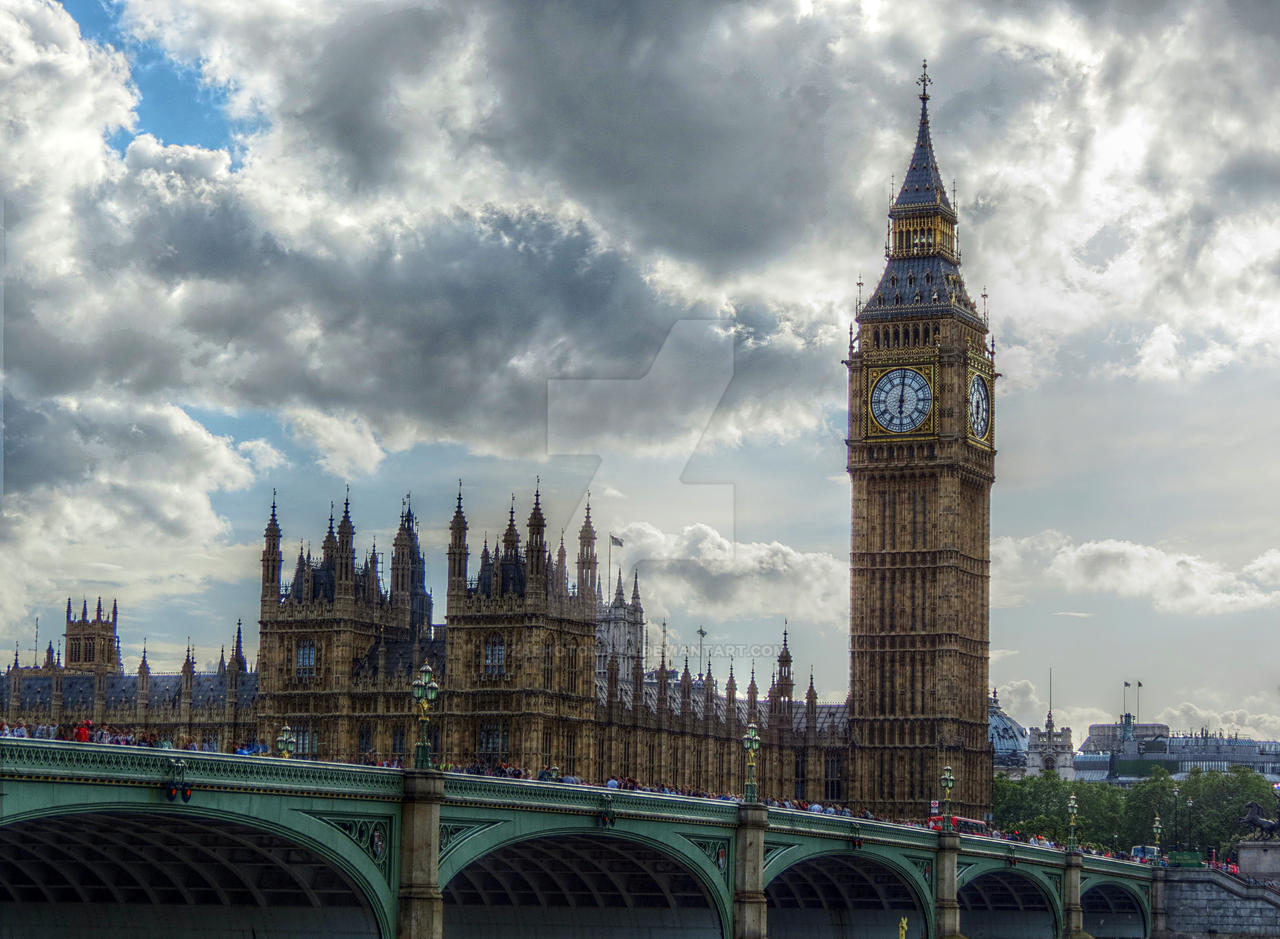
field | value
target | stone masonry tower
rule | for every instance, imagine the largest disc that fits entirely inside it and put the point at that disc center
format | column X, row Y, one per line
column 921, row 464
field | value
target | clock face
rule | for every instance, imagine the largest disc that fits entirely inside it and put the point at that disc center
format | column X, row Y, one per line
column 979, row 407
column 900, row 400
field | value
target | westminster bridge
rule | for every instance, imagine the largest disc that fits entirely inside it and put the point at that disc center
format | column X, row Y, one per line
column 126, row 841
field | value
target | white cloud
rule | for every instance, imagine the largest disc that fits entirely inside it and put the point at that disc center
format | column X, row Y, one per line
column 1173, row 582
column 1265, row 568
column 262, row 454
column 1192, row 717
column 1022, row 701
column 345, row 445
column 1017, row 565
column 707, row 576
column 121, row 504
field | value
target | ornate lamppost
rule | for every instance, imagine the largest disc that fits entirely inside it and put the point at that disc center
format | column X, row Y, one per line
column 1174, row 837
column 1072, row 806
column 1156, row 828
column 425, row 692
column 1188, row 845
column 751, row 743
column 948, row 782
column 286, row 742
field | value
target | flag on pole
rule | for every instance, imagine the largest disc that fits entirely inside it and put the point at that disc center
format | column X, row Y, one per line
column 1127, row 685
column 615, row 540
column 1139, row 684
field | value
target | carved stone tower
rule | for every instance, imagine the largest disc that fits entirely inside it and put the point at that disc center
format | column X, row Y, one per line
column 520, row 644
column 921, row 463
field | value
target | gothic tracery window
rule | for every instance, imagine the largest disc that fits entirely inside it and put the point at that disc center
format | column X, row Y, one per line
column 305, row 659
column 495, row 657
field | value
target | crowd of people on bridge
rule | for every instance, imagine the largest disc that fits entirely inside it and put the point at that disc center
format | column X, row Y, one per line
column 86, row 732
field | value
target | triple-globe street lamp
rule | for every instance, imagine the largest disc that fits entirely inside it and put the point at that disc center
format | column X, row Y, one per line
column 751, row 743
column 947, row 782
column 286, row 742
column 1072, row 806
column 425, row 692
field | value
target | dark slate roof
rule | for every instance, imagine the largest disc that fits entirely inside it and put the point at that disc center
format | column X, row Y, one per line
column 77, row 693
column 925, row 285
column 35, row 692
column 923, row 185
column 400, row 657
column 322, row 583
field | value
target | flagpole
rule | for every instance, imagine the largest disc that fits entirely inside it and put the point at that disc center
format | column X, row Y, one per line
column 1124, row 697
column 1138, row 718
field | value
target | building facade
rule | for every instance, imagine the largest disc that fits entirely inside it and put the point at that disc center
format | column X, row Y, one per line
column 338, row 649
column 1050, row 750
column 921, row 458
column 214, row 710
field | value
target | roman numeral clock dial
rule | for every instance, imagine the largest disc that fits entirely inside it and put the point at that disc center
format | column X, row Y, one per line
column 979, row 407
column 901, row 400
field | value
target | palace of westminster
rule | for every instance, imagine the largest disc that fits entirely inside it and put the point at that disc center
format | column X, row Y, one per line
column 540, row 656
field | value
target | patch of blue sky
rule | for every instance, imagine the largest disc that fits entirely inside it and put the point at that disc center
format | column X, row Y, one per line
column 174, row 105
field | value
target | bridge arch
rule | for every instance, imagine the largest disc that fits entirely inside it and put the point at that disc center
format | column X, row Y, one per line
column 151, row 866
column 1002, row 901
column 1114, row 909
column 576, row 880
column 841, row 892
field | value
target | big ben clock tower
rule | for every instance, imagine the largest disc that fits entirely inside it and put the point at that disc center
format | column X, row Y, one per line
column 921, row 462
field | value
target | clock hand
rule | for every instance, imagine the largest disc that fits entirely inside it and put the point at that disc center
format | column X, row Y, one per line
column 902, row 393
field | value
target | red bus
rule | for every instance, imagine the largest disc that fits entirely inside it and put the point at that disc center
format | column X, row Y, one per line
column 966, row 826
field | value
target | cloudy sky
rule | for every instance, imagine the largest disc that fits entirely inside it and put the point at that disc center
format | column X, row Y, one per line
column 616, row 246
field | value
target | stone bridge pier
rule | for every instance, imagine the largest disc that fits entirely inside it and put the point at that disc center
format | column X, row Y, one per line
column 421, row 913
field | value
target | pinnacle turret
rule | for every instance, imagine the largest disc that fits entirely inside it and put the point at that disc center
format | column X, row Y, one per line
column 923, row 274
column 922, row 185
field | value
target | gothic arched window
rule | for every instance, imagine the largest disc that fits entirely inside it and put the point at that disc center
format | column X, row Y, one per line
column 305, row 659
column 495, row 657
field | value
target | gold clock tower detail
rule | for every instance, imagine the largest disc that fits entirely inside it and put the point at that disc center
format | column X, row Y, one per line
column 921, row 463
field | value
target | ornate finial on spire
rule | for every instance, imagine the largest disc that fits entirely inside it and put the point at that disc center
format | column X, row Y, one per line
column 330, row 516
column 459, row 493
column 924, row 81
column 273, row 504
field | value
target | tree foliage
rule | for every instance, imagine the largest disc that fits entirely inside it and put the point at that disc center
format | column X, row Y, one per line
column 1205, row 813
